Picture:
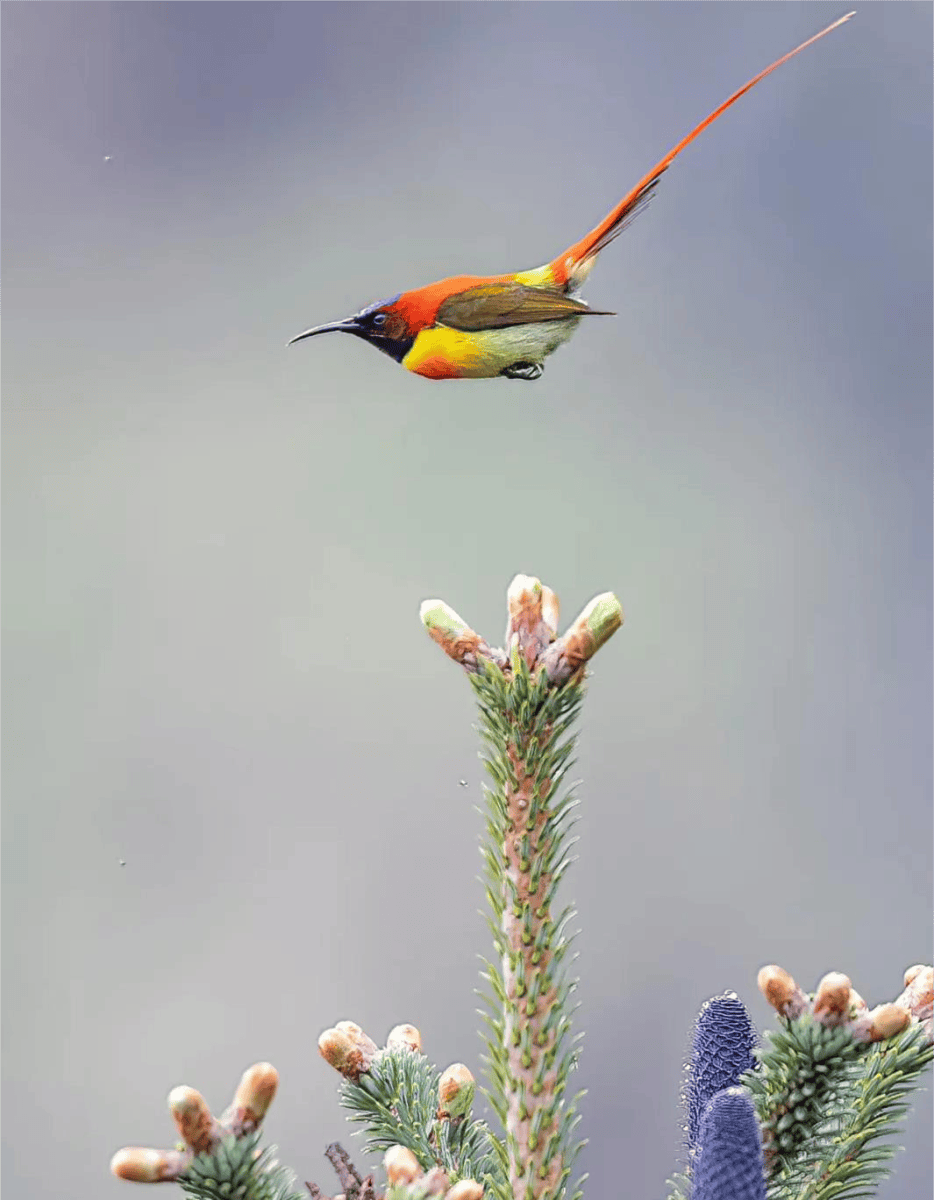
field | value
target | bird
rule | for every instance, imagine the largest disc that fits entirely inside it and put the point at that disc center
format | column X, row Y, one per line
column 482, row 327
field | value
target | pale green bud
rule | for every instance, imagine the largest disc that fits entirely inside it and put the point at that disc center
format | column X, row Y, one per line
column 455, row 1092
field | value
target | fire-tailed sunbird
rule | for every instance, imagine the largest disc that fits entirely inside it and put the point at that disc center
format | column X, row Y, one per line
column 480, row 326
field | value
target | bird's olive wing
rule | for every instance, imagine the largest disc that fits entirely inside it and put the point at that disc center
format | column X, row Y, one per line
column 496, row 305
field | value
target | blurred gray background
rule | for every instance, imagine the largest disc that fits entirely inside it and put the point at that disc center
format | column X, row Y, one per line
column 215, row 548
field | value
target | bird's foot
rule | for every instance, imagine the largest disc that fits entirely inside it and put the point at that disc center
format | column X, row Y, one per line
column 523, row 370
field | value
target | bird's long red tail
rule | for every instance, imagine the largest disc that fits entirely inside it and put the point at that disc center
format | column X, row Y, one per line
column 571, row 268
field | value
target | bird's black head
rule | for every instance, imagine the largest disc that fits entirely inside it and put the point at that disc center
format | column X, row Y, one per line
column 382, row 325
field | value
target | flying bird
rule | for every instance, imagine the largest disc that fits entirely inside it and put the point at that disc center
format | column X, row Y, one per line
column 478, row 327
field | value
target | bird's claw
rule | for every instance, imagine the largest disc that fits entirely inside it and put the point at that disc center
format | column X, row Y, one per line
column 523, row 370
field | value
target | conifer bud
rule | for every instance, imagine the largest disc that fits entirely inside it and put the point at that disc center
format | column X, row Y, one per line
column 595, row 626
column 141, row 1164
column 551, row 615
column 401, row 1165
column 918, row 996
column 832, row 1001
column 455, row 1092
column 453, row 634
column 365, row 1044
column 435, row 1183
column 404, row 1037
column 524, row 601
column 255, row 1092
column 781, row 991
column 343, row 1053
column 194, row 1119
column 885, row 1020
column 527, row 629
column 466, row 1189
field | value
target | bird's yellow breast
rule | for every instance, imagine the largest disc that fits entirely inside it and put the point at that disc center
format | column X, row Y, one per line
column 442, row 353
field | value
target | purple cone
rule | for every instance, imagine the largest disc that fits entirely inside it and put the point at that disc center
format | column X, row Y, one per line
column 724, row 1038
column 728, row 1162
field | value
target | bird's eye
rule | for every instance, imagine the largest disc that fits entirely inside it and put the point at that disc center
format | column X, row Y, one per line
column 379, row 319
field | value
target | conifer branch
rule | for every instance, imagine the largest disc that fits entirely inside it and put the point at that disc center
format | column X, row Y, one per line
column 403, row 1101
column 832, row 1082
column 239, row 1168
column 219, row 1157
column 529, row 695
column 405, row 1178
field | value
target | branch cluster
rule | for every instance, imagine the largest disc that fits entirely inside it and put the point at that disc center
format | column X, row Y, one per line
column 418, row 1115
column 832, row 1081
column 801, row 1116
column 217, row 1157
column 531, row 632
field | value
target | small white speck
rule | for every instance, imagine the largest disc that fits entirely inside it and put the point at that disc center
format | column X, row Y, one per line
column 462, row 782
column 108, row 157
column 122, row 862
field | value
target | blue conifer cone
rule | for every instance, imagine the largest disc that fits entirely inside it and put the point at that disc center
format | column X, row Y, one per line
column 728, row 1164
column 724, row 1038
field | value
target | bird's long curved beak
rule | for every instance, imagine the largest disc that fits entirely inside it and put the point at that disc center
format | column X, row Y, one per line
column 348, row 325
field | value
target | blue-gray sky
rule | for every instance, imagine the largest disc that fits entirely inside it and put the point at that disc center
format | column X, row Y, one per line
column 215, row 548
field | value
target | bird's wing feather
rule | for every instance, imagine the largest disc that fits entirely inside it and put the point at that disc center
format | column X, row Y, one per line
column 497, row 305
